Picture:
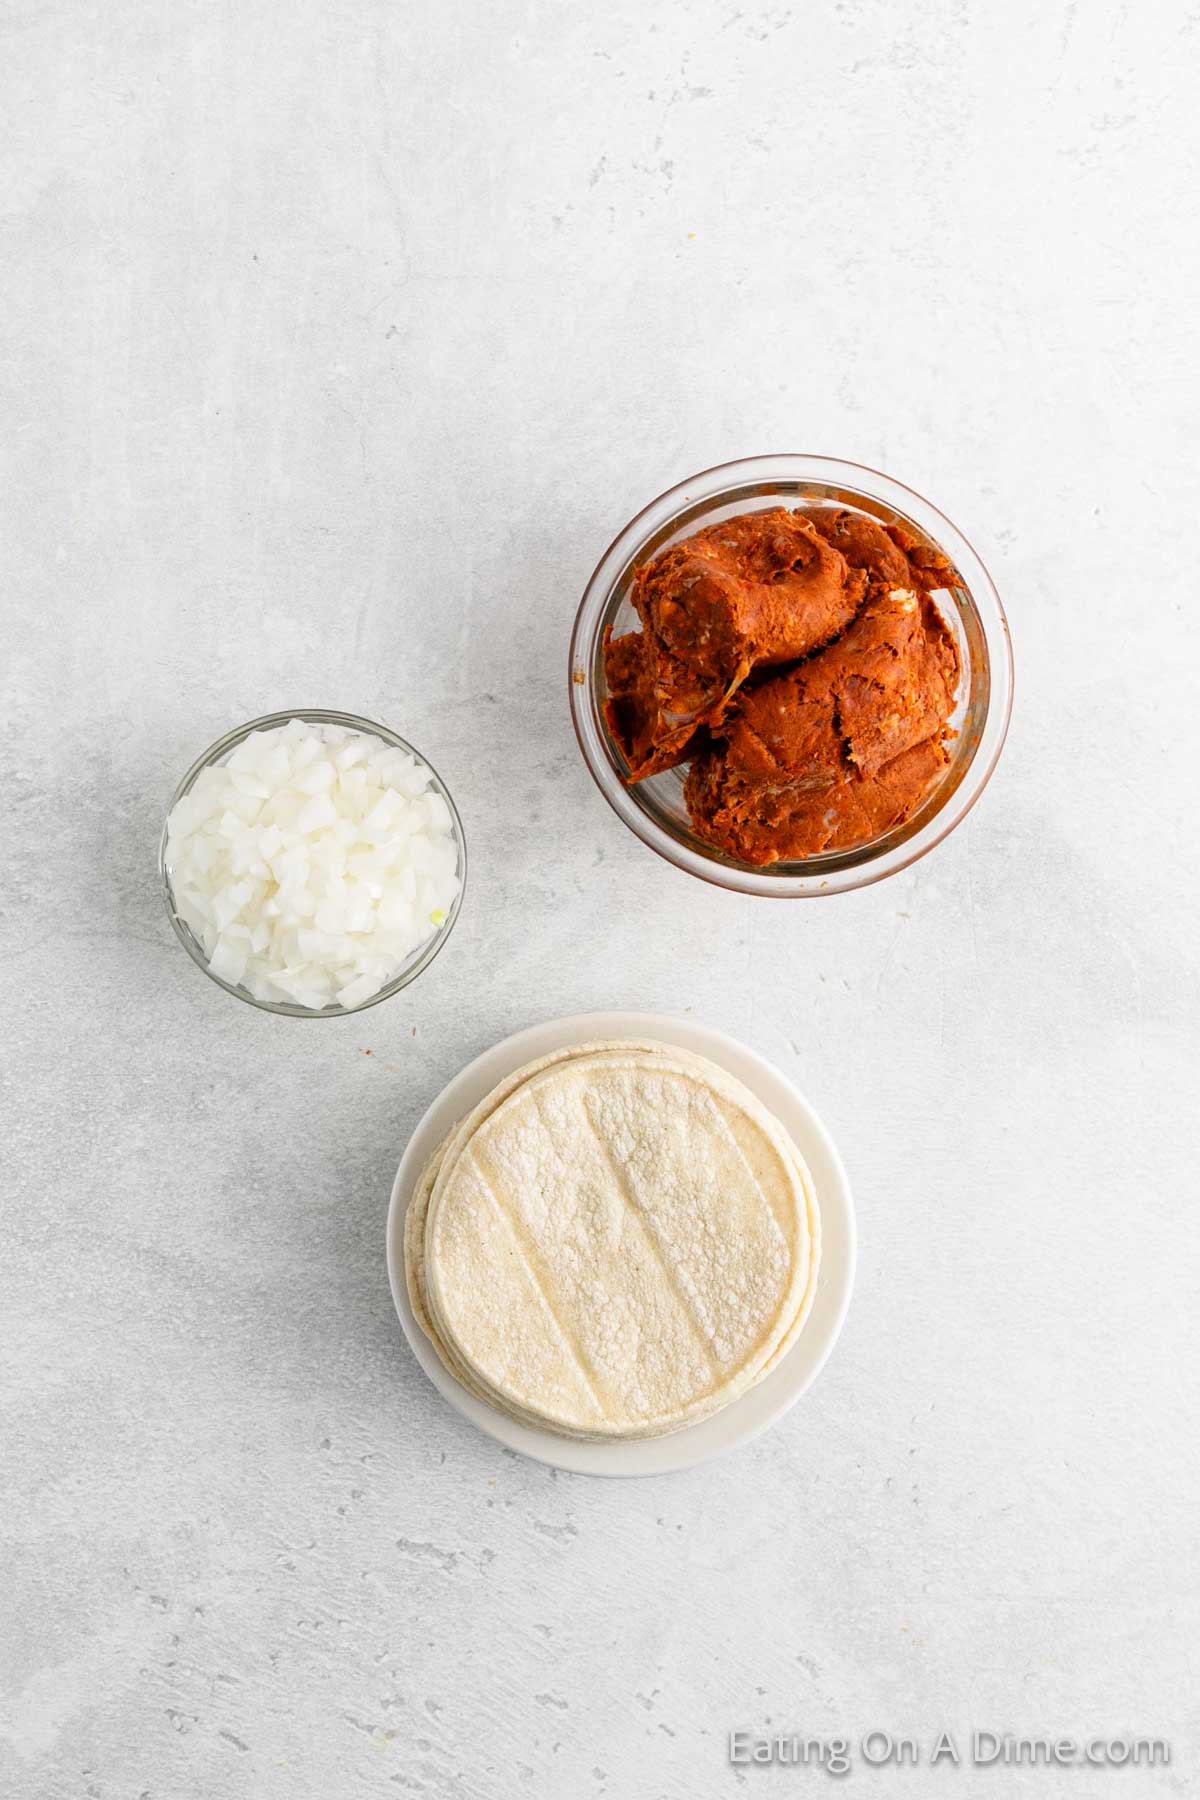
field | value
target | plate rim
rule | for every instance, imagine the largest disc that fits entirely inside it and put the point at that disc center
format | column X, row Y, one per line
column 741, row 1421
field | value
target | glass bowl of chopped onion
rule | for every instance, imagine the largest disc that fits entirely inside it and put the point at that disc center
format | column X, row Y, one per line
column 313, row 863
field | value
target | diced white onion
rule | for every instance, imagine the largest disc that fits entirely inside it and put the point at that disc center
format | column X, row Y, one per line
column 312, row 864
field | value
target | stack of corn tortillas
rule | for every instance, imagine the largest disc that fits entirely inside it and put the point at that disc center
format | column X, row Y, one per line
column 617, row 1242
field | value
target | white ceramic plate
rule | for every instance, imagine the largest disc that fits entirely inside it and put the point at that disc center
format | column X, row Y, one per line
column 744, row 1418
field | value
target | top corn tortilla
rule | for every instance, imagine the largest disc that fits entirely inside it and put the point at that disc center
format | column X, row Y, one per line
column 414, row 1268
column 417, row 1210
column 618, row 1245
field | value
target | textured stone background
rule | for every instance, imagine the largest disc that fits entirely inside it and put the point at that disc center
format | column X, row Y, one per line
column 338, row 338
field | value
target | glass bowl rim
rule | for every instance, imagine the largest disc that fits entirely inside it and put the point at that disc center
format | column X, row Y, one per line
column 712, row 486
column 316, row 715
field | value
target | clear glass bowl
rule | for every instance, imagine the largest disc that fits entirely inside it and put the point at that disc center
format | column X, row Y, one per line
column 654, row 808
column 420, row 958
